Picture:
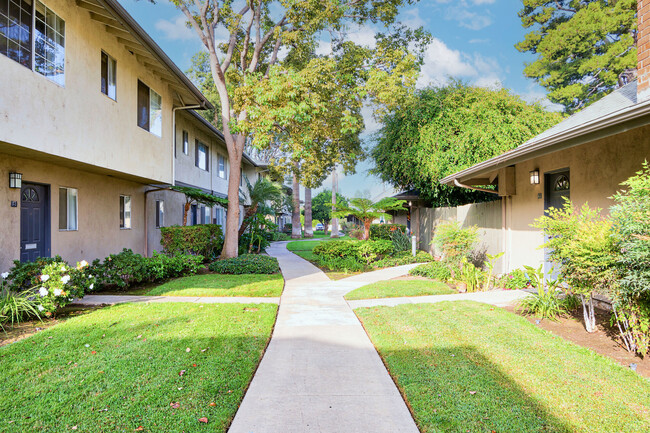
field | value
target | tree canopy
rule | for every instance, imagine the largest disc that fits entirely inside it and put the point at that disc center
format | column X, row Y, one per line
column 321, row 209
column 584, row 48
column 446, row 129
column 367, row 211
column 264, row 74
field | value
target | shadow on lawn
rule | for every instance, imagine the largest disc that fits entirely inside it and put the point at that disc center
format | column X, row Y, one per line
column 130, row 373
column 457, row 389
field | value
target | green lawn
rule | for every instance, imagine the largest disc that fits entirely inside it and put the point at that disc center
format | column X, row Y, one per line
column 396, row 288
column 119, row 368
column 222, row 285
column 305, row 249
column 465, row 366
column 296, row 246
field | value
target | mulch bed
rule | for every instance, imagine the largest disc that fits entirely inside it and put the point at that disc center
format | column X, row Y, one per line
column 605, row 340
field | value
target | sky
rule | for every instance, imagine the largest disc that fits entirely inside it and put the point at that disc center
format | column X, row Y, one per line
column 473, row 41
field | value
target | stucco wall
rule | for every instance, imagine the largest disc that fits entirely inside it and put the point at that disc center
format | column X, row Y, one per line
column 596, row 171
column 78, row 121
column 98, row 233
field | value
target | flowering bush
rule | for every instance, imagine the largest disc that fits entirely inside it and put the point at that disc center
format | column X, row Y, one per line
column 59, row 284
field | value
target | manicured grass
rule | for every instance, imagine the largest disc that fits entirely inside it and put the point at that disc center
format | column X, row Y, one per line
column 222, row 285
column 120, row 368
column 396, row 288
column 465, row 366
column 305, row 249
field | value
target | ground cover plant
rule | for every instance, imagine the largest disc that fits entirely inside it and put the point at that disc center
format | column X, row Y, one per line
column 490, row 370
column 397, row 288
column 221, row 285
column 246, row 264
column 135, row 367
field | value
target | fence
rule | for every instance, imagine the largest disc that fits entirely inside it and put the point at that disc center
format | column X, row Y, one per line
column 486, row 216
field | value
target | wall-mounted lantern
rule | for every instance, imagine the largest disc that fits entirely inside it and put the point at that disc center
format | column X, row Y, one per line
column 15, row 180
column 534, row 177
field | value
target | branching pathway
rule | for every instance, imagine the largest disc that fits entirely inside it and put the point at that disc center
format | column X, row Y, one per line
column 320, row 372
column 120, row 299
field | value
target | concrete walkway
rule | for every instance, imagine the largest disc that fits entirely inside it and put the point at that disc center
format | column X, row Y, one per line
column 120, row 299
column 496, row 297
column 320, row 372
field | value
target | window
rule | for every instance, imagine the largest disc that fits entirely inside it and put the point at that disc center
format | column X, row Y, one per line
column 193, row 215
column 160, row 213
column 23, row 22
column 125, row 212
column 149, row 109
column 201, row 155
column 186, row 143
column 67, row 209
column 222, row 170
column 219, row 215
column 204, row 212
column 109, row 68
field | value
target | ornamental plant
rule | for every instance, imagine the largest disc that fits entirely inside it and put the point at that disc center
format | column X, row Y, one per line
column 59, row 284
column 455, row 242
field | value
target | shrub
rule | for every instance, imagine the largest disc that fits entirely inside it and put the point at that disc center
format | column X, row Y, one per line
column 384, row 231
column 161, row 267
column 24, row 275
column 288, row 227
column 401, row 241
column 514, row 280
column 403, row 258
column 337, row 249
column 15, row 307
column 631, row 227
column 59, row 284
column 546, row 303
column 361, row 251
column 455, row 242
column 368, row 251
column 246, row 264
column 580, row 242
column 356, row 232
column 204, row 239
column 341, row 264
column 471, row 276
column 278, row 236
column 434, row 270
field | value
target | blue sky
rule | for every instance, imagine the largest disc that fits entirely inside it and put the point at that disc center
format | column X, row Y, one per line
column 473, row 40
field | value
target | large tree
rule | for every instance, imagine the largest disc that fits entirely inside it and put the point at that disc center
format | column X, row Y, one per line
column 446, row 129
column 584, row 48
column 258, row 32
column 322, row 206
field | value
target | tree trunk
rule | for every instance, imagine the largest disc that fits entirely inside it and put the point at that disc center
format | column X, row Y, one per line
column 309, row 230
column 186, row 209
column 335, row 221
column 296, row 231
column 231, row 238
column 588, row 313
column 366, row 229
column 249, row 213
column 326, row 224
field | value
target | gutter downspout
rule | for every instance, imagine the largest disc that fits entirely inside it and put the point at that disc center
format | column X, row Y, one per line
column 476, row 188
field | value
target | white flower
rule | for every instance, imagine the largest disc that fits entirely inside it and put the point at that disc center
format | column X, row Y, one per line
column 65, row 279
column 4, row 275
column 43, row 292
column 44, row 278
column 57, row 292
column 62, row 268
column 82, row 264
column 91, row 286
column 40, row 308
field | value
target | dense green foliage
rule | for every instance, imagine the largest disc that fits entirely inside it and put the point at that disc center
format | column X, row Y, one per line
column 24, row 275
column 321, row 206
column 545, row 302
column 455, row 242
column 443, row 130
column 126, row 269
column 159, row 366
column 258, row 285
column 17, row 306
column 631, row 224
column 361, row 251
column 435, row 270
column 398, row 288
column 582, row 47
column 514, row 280
column 402, row 258
column 203, row 239
column 465, row 366
column 367, row 211
column 246, row 264
column 401, row 241
column 385, row 231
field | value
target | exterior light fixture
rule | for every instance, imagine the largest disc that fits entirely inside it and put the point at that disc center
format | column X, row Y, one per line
column 534, row 177
column 15, row 180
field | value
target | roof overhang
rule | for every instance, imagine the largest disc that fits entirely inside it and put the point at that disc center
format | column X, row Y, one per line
column 484, row 173
column 128, row 32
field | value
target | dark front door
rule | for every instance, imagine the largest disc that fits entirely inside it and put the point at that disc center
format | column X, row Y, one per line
column 558, row 187
column 34, row 222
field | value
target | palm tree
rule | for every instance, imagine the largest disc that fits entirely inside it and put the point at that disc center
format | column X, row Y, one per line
column 259, row 193
column 367, row 211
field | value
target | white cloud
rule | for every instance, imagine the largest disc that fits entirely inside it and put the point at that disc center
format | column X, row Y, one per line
column 442, row 63
column 413, row 19
column 467, row 19
column 483, row 2
column 362, row 35
column 371, row 125
column 535, row 93
column 176, row 29
column 478, row 41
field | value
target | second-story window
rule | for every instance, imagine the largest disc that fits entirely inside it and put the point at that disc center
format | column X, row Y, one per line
column 149, row 109
column 125, row 212
column 109, row 69
column 201, row 155
column 22, row 23
column 223, row 170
